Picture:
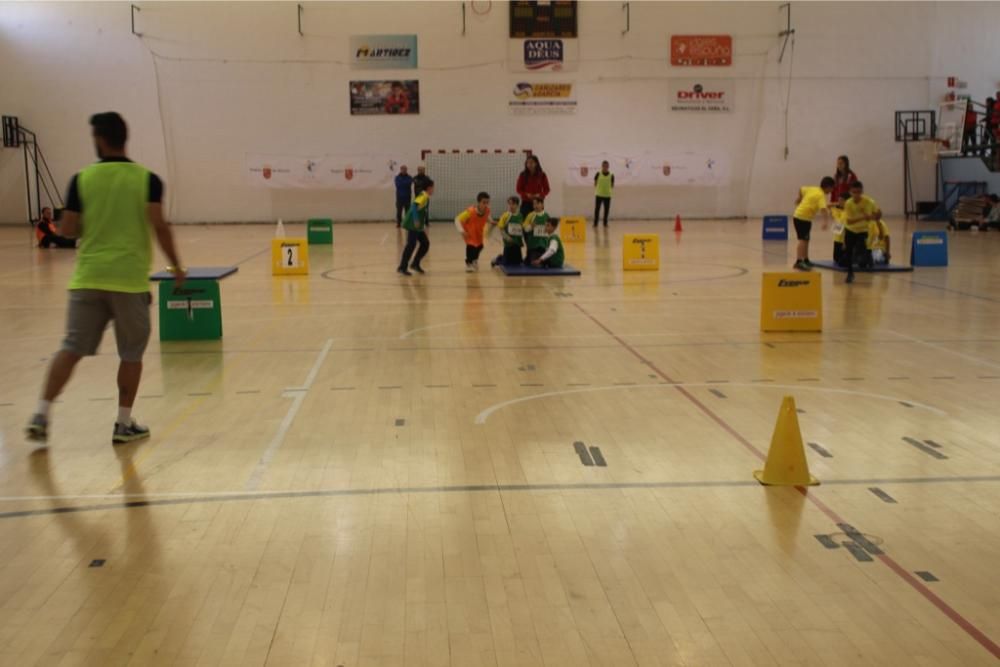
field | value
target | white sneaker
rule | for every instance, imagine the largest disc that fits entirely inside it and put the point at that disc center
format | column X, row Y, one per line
column 475, row 264
column 468, row 268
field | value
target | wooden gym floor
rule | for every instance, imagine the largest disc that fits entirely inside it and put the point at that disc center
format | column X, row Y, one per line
column 372, row 470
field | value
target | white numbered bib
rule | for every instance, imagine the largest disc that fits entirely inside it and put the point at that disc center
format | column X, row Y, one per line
column 515, row 229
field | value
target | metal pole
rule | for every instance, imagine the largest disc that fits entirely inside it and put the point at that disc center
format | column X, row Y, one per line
column 27, row 179
column 38, row 184
column 300, row 20
column 134, row 10
column 463, row 19
column 627, row 6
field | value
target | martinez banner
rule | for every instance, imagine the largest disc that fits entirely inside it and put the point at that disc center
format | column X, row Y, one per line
column 714, row 95
column 383, row 51
column 337, row 172
column 376, row 98
column 542, row 98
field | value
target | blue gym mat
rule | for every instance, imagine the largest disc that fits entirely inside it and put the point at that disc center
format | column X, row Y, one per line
column 878, row 268
column 527, row 270
column 199, row 273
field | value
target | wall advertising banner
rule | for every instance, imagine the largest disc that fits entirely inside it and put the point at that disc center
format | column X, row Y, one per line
column 582, row 168
column 543, row 55
column 338, row 172
column 701, row 50
column 542, row 98
column 376, row 98
column 383, row 51
column 678, row 168
column 713, row 95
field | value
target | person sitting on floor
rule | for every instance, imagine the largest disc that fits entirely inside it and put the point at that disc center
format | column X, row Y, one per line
column 554, row 256
column 47, row 235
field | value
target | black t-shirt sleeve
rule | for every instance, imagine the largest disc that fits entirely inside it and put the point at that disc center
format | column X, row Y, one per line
column 155, row 189
column 73, row 197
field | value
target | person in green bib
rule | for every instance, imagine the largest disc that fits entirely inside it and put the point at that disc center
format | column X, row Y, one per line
column 114, row 207
column 511, row 227
column 535, row 237
column 604, row 187
column 554, row 256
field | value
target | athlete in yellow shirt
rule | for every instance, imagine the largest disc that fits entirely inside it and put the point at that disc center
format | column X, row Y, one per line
column 878, row 241
column 811, row 200
column 860, row 210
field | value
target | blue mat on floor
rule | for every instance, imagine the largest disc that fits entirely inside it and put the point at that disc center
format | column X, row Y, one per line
column 527, row 270
column 878, row 268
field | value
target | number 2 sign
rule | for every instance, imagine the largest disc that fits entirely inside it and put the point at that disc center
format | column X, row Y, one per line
column 289, row 257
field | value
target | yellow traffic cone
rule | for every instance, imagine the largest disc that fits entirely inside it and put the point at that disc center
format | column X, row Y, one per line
column 786, row 463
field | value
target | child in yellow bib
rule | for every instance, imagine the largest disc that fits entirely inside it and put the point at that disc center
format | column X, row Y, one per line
column 811, row 200
column 860, row 210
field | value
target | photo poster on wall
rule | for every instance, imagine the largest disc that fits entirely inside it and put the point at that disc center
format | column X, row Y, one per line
column 336, row 172
column 534, row 97
column 385, row 97
column 672, row 168
column 383, row 51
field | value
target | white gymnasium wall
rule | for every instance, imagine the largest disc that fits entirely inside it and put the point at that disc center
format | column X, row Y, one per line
column 209, row 82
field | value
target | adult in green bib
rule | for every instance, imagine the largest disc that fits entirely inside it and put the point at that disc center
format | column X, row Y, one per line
column 111, row 206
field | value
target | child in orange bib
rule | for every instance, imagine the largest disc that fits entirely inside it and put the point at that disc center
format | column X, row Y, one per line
column 471, row 224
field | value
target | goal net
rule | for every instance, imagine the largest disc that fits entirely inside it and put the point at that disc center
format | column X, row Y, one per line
column 460, row 175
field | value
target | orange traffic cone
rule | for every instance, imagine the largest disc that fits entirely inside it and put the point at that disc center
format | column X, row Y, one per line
column 677, row 224
column 786, row 463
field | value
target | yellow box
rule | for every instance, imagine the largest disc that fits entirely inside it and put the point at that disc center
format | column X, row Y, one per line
column 641, row 252
column 289, row 257
column 573, row 229
column 791, row 302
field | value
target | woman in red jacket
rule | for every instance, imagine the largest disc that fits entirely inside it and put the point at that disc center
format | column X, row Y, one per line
column 842, row 180
column 532, row 184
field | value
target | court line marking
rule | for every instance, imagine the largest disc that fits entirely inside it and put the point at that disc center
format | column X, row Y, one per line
column 178, row 497
column 941, row 348
column 488, row 412
column 298, row 395
column 951, row 613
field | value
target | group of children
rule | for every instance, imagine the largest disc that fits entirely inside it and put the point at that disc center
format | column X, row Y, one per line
column 531, row 239
column 861, row 238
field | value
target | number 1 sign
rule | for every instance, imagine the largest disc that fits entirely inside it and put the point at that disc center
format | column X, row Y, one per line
column 289, row 257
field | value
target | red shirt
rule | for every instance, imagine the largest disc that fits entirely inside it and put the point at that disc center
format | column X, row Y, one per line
column 397, row 103
column 842, row 185
column 532, row 186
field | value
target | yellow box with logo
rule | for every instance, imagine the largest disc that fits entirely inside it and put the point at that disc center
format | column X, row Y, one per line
column 289, row 257
column 641, row 252
column 573, row 229
column 791, row 302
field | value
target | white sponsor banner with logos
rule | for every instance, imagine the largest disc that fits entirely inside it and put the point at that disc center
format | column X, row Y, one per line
column 711, row 95
column 543, row 55
column 582, row 168
column 383, row 51
column 542, row 98
column 679, row 168
column 338, row 172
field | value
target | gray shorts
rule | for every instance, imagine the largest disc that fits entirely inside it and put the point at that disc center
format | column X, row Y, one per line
column 88, row 315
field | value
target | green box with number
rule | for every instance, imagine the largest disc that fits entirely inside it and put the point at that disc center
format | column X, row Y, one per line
column 193, row 312
column 319, row 231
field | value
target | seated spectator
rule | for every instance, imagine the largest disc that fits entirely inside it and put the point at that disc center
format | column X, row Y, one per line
column 47, row 235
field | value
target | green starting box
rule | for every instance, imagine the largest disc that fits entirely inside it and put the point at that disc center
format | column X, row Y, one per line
column 194, row 311
column 319, row 231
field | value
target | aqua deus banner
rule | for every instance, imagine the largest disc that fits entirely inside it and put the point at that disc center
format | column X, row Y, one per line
column 383, row 51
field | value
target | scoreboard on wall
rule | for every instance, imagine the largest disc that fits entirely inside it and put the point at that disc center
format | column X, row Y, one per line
column 538, row 18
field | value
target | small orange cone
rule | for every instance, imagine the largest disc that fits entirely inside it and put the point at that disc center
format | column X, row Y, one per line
column 786, row 463
column 677, row 224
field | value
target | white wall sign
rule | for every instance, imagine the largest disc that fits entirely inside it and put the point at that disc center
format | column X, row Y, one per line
column 383, row 51
column 542, row 98
column 543, row 55
column 338, row 172
column 701, row 95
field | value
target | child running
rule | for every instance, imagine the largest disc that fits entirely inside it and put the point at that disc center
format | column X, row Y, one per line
column 554, row 256
column 859, row 211
column 471, row 223
column 536, row 237
column 415, row 224
column 811, row 200
column 511, row 226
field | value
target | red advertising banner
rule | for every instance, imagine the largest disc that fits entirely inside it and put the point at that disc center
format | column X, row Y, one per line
column 701, row 50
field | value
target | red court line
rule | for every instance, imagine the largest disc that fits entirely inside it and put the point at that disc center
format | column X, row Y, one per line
column 982, row 638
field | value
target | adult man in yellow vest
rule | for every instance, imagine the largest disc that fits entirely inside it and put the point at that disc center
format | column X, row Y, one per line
column 604, row 186
column 118, row 202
